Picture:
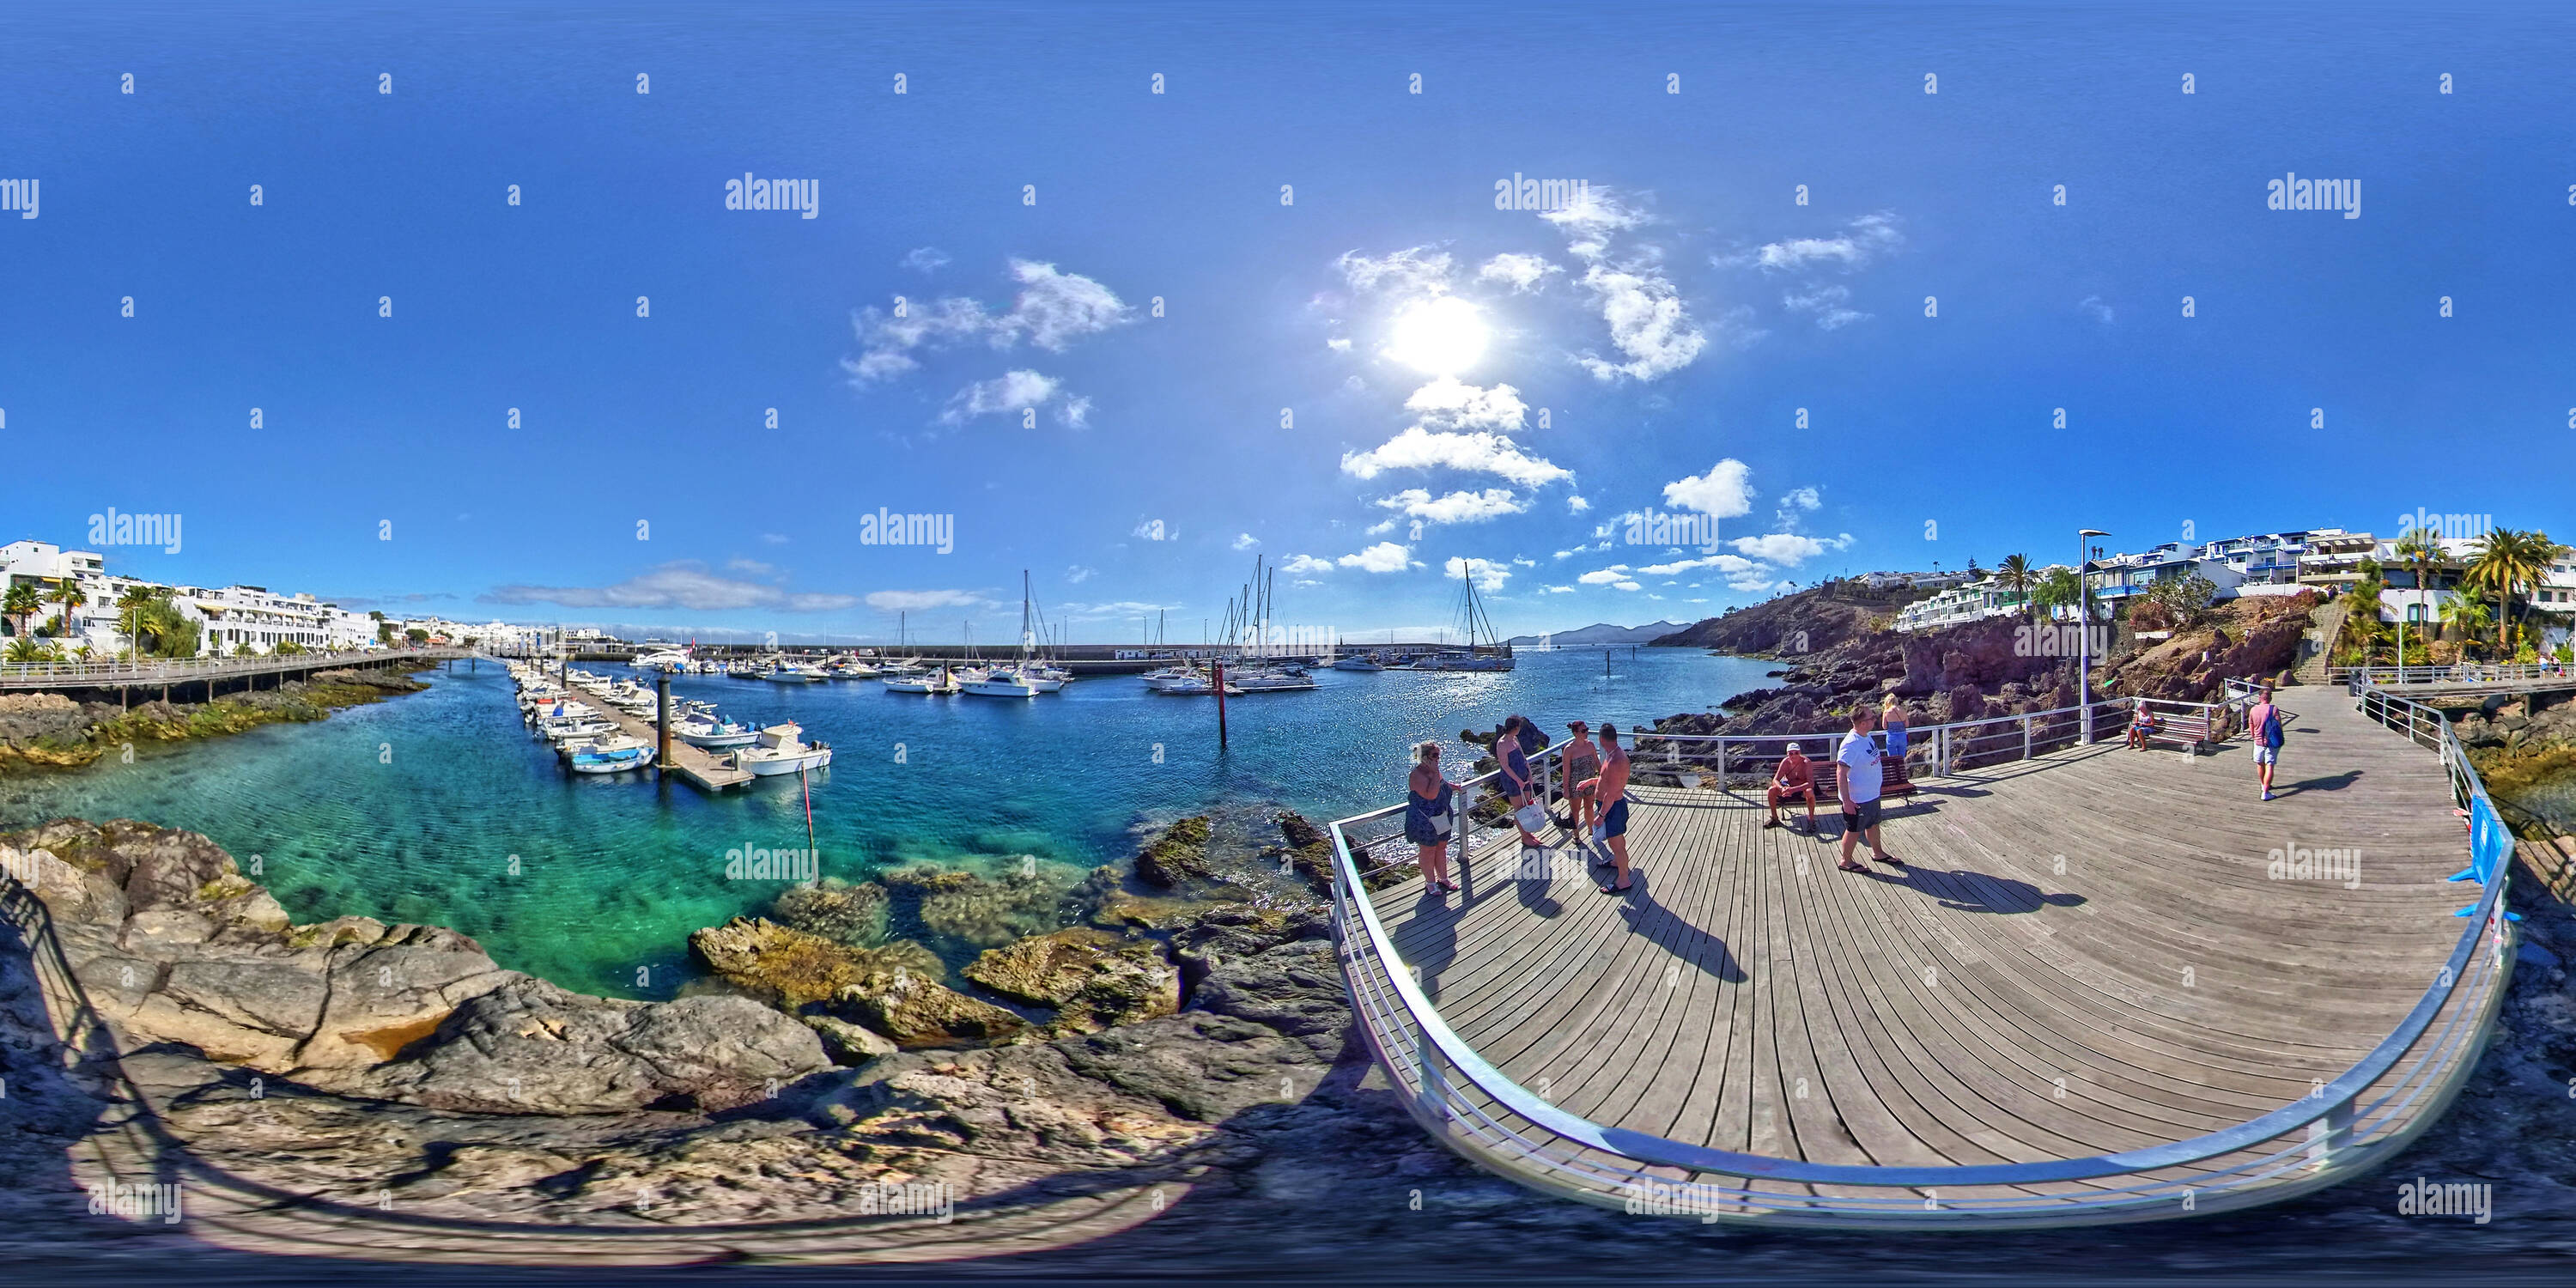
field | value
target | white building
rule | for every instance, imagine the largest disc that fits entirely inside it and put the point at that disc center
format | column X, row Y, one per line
column 1913, row 580
column 1971, row 601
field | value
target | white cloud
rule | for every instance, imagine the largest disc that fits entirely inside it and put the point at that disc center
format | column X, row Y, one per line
column 1490, row 576
column 1722, row 492
column 1801, row 498
column 1456, row 507
column 773, row 538
column 1009, row 392
column 2095, row 309
column 1625, row 585
column 1830, row 306
column 1525, row 561
column 1419, row 271
column 1560, row 590
column 1788, row 547
column 914, row 601
column 1605, row 576
column 1246, row 541
column 1385, row 556
column 1418, row 448
column 1448, row 403
column 1074, row 412
column 1053, row 309
column 1378, row 529
column 1155, row 530
column 1648, row 321
column 1078, row 574
column 1861, row 241
column 1520, row 272
column 924, row 259
column 1339, row 344
column 1305, row 565
column 686, row 584
column 1723, row 563
column 1576, row 505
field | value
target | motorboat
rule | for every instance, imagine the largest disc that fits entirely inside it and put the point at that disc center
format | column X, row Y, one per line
column 792, row 673
column 712, row 733
column 1195, row 687
column 1359, row 662
column 614, row 761
column 931, row 682
column 779, row 750
column 1001, row 682
column 1265, row 681
column 665, row 660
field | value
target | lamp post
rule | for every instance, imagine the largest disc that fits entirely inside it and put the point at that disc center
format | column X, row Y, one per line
column 2084, row 632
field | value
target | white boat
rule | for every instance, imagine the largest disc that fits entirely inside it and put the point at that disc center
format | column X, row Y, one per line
column 1485, row 651
column 712, row 733
column 616, row 761
column 931, row 682
column 1359, row 662
column 666, row 660
column 1260, row 681
column 792, row 673
column 779, row 750
column 1001, row 682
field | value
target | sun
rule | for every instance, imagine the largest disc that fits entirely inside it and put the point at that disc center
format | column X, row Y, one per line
column 1439, row 337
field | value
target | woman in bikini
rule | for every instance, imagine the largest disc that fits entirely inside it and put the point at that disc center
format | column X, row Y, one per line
column 1426, row 816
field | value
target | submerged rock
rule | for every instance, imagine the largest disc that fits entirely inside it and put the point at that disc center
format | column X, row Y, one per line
column 981, row 911
column 792, row 970
column 836, row 910
column 1094, row 979
column 1179, row 854
column 917, row 1010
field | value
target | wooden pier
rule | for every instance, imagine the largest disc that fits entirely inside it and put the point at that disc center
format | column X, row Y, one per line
column 696, row 764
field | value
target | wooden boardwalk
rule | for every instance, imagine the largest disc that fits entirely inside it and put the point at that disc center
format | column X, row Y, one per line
column 696, row 764
column 2088, row 953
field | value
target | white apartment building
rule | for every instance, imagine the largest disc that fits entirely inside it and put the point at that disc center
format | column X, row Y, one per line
column 1971, row 601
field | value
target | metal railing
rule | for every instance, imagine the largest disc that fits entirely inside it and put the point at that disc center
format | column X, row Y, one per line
column 148, row 671
column 2451, row 673
column 2340, row 1128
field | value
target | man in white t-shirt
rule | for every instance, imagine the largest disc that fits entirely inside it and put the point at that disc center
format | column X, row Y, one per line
column 1857, row 778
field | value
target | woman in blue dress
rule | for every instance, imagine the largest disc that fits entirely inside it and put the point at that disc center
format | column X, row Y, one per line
column 1427, row 822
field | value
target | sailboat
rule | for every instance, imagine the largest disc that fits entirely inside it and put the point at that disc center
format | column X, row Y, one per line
column 1491, row 654
column 1004, row 681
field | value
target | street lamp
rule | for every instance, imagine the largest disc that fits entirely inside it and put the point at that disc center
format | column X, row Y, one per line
column 2084, row 632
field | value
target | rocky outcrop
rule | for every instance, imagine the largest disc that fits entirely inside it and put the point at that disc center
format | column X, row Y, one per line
column 1179, row 854
column 917, row 1010
column 835, row 910
column 173, row 945
column 970, row 910
column 1093, row 979
column 1796, row 625
column 51, row 731
column 794, row 971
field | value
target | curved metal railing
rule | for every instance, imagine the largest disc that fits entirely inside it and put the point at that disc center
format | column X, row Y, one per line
column 2341, row 1127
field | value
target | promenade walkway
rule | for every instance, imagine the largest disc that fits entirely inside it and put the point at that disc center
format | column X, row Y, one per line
column 2089, row 952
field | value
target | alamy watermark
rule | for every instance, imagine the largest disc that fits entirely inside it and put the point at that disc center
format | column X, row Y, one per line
column 2299, row 863
column 804, row 196
column 29, row 867
column 116, row 528
column 2295, row 193
column 2472, row 1199
column 108, row 1198
column 749, row 864
column 2447, row 527
column 883, row 528
column 1554, row 195
column 1658, row 1198
column 1652, row 527
column 2065, row 639
column 936, row 1200
column 19, row 195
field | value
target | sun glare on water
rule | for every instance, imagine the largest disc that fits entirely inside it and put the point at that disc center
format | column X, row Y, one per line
column 1440, row 337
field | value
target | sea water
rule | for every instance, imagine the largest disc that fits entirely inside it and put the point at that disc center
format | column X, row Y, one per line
column 438, row 807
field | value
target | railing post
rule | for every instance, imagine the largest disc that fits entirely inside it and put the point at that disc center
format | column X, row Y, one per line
column 2330, row 1135
column 1722, row 779
column 2025, row 737
column 1427, row 1071
column 2088, row 723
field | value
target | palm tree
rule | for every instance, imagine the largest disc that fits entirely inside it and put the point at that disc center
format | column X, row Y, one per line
column 2417, row 549
column 2505, row 561
column 67, row 593
column 2464, row 615
column 2014, row 573
column 23, row 649
column 132, row 603
column 22, row 602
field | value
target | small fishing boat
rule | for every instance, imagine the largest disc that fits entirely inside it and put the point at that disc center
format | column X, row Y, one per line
column 779, row 750
column 607, row 755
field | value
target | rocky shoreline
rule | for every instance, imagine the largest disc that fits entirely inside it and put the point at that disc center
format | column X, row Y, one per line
column 44, row 731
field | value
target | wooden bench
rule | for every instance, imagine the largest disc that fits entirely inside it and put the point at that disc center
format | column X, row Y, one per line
column 1893, row 780
column 2189, row 732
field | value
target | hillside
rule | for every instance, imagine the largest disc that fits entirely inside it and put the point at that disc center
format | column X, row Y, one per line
column 1810, row 621
column 1602, row 633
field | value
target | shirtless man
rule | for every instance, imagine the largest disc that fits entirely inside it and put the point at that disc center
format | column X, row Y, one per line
column 1795, row 777
column 1610, row 790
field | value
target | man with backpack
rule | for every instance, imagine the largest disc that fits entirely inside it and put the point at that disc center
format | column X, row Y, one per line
column 2263, row 723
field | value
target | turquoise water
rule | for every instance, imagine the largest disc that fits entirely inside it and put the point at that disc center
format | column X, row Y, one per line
column 437, row 807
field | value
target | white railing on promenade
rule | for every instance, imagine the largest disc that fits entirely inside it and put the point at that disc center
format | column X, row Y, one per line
column 2344, row 1126
column 2497, row 673
column 148, row 671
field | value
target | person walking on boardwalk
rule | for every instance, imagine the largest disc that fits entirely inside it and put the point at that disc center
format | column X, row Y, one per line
column 1519, row 791
column 1795, row 777
column 1857, row 778
column 1610, row 791
column 1427, row 821
column 1580, row 763
column 2263, row 721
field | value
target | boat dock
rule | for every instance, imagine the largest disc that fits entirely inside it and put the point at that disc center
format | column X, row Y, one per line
column 704, row 768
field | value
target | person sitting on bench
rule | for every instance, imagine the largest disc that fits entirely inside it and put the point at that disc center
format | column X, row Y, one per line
column 1795, row 777
column 2142, row 726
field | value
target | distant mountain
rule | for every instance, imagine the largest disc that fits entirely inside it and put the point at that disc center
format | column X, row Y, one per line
column 1603, row 633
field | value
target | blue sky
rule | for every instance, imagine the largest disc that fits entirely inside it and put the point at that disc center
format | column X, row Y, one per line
column 1671, row 327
